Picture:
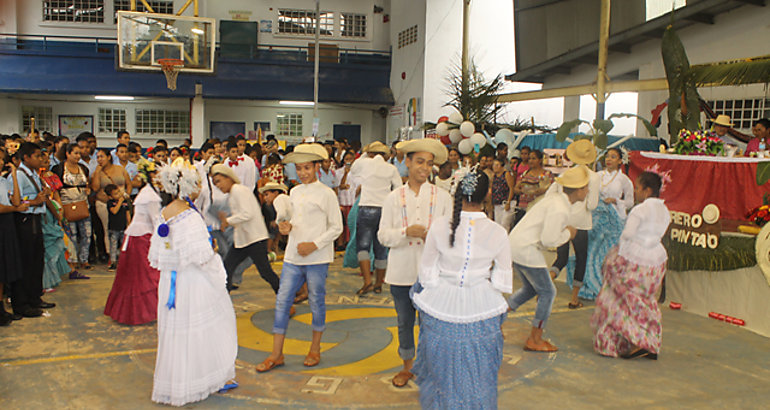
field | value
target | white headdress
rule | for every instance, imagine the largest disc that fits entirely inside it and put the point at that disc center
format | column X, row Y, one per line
column 179, row 180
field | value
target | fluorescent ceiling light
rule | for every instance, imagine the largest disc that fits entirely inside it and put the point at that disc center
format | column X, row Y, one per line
column 310, row 103
column 197, row 31
column 114, row 97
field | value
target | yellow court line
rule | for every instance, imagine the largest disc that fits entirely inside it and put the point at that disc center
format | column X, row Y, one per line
column 252, row 337
column 561, row 310
column 24, row 362
column 348, row 314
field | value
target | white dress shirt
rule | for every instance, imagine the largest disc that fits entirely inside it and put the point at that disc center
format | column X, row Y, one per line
column 282, row 205
column 401, row 209
column 147, row 205
column 245, row 170
column 580, row 212
column 464, row 283
column 543, row 226
column 377, row 179
column 245, row 217
column 617, row 185
column 646, row 225
column 315, row 218
column 347, row 197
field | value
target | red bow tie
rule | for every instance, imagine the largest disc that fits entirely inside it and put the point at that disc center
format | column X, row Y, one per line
column 232, row 163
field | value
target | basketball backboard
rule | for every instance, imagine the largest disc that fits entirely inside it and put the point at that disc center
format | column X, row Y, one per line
column 144, row 38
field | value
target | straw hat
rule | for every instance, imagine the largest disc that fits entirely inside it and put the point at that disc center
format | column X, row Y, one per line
column 575, row 177
column 723, row 120
column 581, row 152
column 222, row 169
column 273, row 186
column 306, row 153
column 431, row 145
column 377, row 148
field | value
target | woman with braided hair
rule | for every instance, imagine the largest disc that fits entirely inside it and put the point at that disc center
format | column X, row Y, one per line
column 464, row 271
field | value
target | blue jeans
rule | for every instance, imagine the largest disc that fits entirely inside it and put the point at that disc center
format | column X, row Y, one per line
column 116, row 240
column 406, row 313
column 292, row 278
column 81, row 238
column 366, row 236
column 535, row 281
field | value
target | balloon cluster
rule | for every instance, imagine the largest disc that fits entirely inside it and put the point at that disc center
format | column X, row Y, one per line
column 454, row 130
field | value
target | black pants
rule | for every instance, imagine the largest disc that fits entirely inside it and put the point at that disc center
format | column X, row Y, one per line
column 26, row 292
column 257, row 251
column 97, row 251
column 580, row 244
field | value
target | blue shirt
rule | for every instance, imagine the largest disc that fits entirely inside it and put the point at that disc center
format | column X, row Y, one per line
column 28, row 190
column 327, row 178
column 54, row 161
column 6, row 187
column 400, row 166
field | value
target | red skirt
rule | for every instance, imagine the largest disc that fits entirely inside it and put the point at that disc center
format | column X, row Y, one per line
column 133, row 299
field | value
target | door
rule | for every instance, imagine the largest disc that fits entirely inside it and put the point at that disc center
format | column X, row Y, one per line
column 348, row 131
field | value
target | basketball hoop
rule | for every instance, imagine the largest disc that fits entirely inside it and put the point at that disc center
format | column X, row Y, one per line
column 170, row 67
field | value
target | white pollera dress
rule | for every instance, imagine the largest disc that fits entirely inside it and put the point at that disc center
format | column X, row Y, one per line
column 197, row 339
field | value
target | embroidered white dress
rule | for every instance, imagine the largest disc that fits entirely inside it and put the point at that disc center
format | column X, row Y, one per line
column 197, row 340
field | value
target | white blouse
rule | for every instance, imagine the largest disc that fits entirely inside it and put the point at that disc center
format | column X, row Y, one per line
column 646, row 225
column 146, row 212
column 465, row 283
column 377, row 179
column 617, row 185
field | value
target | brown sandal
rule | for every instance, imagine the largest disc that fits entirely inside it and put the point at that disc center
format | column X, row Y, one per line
column 269, row 364
column 402, row 378
column 545, row 347
column 366, row 289
column 575, row 305
column 312, row 359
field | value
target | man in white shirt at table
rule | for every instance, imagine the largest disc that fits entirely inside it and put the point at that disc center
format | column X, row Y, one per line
column 407, row 214
column 377, row 179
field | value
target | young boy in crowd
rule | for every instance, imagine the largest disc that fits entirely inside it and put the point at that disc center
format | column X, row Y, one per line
column 119, row 218
column 276, row 207
column 243, row 166
column 160, row 155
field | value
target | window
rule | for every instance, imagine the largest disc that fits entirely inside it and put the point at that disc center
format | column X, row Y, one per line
column 353, row 25
column 657, row 8
column 263, row 125
column 302, row 22
column 43, row 118
column 743, row 113
column 158, row 6
column 78, row 11
column 162, row 122
column 111, row 120
column 407, row 37
column 289, row 124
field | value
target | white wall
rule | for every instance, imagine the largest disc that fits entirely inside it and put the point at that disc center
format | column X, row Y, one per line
column 10, row 116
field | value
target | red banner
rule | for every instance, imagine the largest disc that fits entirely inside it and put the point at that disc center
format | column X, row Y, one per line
column 692, row 182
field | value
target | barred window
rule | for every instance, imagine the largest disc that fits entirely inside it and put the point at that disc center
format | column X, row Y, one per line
column 302, row 22
column 353, row 25
column 77, row 11
column 111, row 120
column 163, row 122
column 743, row 113
column 407, row 37
column 289, row 124
column 158, row 6
column 43, row 118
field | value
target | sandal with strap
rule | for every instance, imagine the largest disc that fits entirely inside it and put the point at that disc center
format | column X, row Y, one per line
column 377, row 288
column 366, row 289
column 402, row 378
column 312, row 359
column 545, row 347
column 270, row 364
column 575, row 305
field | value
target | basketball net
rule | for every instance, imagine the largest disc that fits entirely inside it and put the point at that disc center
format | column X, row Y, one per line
column 170, row 69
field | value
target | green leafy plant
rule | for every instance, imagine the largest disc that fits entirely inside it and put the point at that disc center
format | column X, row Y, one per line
column 477, row 104
column 599, row 129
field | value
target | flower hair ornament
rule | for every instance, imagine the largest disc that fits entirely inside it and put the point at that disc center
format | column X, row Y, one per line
column 145, row 168
column 665, row 176
column 467, row 179
column 178, row 180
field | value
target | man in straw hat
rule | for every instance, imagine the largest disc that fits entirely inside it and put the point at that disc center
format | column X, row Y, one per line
column 407, row 214
column 721, row 125
column 544, row 226
column 249, row 229
column 314, row 225
column 377, row 179
column 581, row 153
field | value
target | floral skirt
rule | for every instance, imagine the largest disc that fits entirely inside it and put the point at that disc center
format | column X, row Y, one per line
column 627, row 312
column 457, row 363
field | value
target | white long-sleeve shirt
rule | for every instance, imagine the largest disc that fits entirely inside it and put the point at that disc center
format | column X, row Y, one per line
column 640, row 241
column 147, row 207
column 315, row 218
column 543, row 226
column 403, row 208
column 282, row 205
column 377, row 179
column 245, row 217
column 464, row 283
column 580, row 212
column 245, row 170
column 617, row 185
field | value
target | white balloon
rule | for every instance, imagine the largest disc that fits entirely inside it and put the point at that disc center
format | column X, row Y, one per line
column 478, row 139
column 467, row 129
column 455, row 136
column 442, row 129
column 503, row 135
column 455, row 118
column 465, row 146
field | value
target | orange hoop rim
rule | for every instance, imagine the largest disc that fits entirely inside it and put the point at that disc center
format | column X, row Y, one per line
column 170, row 63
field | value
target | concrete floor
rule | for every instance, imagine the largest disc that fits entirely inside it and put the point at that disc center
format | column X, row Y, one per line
column 80, row 359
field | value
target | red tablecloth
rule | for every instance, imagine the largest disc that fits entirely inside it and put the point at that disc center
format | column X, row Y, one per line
column 730, row 183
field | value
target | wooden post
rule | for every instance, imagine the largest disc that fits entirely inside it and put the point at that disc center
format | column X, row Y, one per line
column 601, row 76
